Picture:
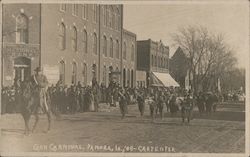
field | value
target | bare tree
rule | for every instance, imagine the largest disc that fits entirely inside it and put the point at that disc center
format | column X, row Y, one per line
column 207, row 53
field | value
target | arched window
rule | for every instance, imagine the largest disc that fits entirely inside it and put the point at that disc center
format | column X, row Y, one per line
column 132, row 53
column 74, row 39
column 124, row 51
column 111, row 48
column 62, row 41
column 84, row 73
column 62, row 72
column 85, row 41
column 22, row 26
column 95, row 43
column 74, row 73
column 105, row 46
column 117, row 49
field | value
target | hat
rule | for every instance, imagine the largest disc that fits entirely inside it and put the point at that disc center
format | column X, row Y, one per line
column 38, row 69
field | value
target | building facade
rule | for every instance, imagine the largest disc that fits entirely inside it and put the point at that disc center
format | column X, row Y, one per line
column 152, row 56
column 21, row 41
column 129, row 57
column 76, row 42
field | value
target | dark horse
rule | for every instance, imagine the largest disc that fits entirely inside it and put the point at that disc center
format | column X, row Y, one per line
column 32, row 104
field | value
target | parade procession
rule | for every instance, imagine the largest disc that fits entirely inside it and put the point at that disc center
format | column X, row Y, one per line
column 71, row 70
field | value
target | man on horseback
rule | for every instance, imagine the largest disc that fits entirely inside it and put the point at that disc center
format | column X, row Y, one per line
column 39, row 85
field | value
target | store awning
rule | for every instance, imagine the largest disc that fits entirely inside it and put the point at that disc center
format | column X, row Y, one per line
column 163, row 79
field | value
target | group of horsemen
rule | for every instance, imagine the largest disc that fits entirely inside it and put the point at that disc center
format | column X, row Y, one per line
column 157, row 98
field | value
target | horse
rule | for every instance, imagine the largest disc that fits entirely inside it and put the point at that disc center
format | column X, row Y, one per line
column 31, row 104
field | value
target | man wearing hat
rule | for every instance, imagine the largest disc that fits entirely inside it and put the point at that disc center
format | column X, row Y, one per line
column 40, row 84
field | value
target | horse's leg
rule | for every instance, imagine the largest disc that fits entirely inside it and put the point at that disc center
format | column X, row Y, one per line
column 48, row 113
column 36, row 121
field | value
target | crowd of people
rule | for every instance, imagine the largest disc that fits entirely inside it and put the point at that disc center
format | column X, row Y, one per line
column 77, row 98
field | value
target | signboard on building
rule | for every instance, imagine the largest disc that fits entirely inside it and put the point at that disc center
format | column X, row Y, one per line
column 52, row 73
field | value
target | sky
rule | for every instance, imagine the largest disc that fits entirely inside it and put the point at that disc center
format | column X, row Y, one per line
column 158, row 21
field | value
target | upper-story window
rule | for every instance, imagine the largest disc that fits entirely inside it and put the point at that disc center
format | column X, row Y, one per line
column 62, row 36
column 117, row 50
column 85, row 41
column 104, row 15
column 95, row 43
column 22, row 27
column 105, row 46
column 84, row 11
column 63, row 7
column 74, row 39
column 107, row 16
column 95, row 13
column 132, row 53
column 75, row 9
column 111, row 48
column 124, row 50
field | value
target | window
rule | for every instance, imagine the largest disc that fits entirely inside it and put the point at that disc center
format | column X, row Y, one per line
column 110, row 19
column 84, row 11
column 152, row 60
column 105, row 46
column 124, row 51
column 74, row 73
column 63, row 7
column 95, row 13
column 105, row 15
column 113, row 21
column 132, row 53
column 74, row 39
column 62, row 72
column 85, row 42
column 75, row 9
column 111, row 48
column 117, row 49
column 84, row 73
column 22, row 25
column 95, row 43
column 104, row 79
column 62, row 41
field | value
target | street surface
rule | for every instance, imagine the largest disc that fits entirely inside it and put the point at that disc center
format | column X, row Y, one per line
column 105, row 131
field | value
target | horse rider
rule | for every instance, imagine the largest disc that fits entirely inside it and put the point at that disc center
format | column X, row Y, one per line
column 40, row 83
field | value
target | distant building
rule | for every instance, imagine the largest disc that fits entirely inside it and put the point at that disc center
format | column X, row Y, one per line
column 73, row 42
column 179, row 68
column 153, row 57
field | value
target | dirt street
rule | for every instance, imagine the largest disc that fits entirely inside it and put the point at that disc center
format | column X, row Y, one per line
column 222, row 132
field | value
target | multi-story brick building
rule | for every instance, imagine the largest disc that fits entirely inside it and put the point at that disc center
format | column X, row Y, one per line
column 21, row 41
column 74, row 42
column 129, row 57
column 153, row 57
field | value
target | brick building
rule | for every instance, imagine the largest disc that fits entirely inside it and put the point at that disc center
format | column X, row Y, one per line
column 153, row 57
column 75, row 42
column 21, row 41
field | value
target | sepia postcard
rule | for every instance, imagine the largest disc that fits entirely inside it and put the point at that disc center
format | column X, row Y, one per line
column 124, row 78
